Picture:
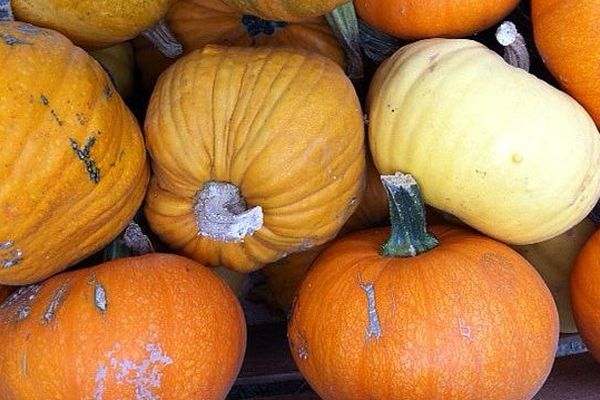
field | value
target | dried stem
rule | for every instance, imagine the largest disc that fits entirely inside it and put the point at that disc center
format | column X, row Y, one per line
column 161, row 36
column 515, row 49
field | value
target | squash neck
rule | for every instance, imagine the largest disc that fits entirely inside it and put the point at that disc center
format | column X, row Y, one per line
column 408, row 235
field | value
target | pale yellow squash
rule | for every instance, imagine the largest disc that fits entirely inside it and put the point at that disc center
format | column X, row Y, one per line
column 503, row 151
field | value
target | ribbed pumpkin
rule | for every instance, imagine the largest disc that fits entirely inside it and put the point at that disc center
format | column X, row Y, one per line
column 260, row 155
column 501, row 150
column 71, row 154
column 148, row 327
column 451, row 317
column 554, row 260
column 93, row 23
column 585, row 294
column 285, row 10
column 119, row 63
column 409, row 19
column 566, row 37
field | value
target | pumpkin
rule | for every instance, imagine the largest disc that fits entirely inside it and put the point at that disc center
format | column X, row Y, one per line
column 93, row 23
column 270, row 162
column 585, row 294
column 77, row 171
column 503, row 151
column 409, row 19
column 554, row 260
column 119, row 63
column 5, row 291
column 147, row 327
column 446, row 314
column 566, row 37
column 285, row 10
column 283, row 277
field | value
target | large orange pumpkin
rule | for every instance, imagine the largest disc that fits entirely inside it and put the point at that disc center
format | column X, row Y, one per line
column 93, row 23
column 566, row 37
column 285, row 10
column 409, row 19
column 451, row 317
column 260, row 155
column 585, row 294
column 72, row 155
column 148, row 327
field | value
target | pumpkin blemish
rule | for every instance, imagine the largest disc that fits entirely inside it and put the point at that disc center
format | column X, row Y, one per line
column 9, row 255
column 56, row 118
column 374, row 327
column 465, row 330
column 13, row 41
column 44, row 99
column 57, row 299
column 108, row 92
column 83, row 154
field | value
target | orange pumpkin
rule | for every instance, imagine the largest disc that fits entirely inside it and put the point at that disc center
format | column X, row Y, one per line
column 585, row 294
column 270, row 162
column 148, row 327
column 408, row 19
column 284, row 10
column 566, row 37
column 72, row 152
column 448, row 315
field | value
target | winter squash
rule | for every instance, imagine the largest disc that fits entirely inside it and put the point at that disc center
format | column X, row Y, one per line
column 154, row 326
column 554, row 260
column 443, row 315
column 271, row 163
column 565, row 35
column 284, row 10
column 585, row 296
column 93, row 23
column 119, row 64
column 409, row 19
column 503, row 151
column 77, row 170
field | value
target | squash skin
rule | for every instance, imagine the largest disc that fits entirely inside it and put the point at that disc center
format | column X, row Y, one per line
column 433, row 18
column 566, row 37
column 472, row 131
column 285, row 10
column 295, row 95
column 61, row 205
column 93, row 23
column 554, row 260
column 455, row 322
column 163, row 311
column 119, row 62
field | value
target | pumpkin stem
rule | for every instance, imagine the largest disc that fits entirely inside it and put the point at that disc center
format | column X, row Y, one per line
column 515, row 49
column 377, row 45
column 257, row 26
column 344, row 23
column 408, row 236
column 221, row 213
column 6, row 11
column 136, row 240
column 161, row 36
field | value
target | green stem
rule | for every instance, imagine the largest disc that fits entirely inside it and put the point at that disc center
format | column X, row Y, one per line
column 377, row 45
column 408, row 236
column 6, row 11
column 344, row 23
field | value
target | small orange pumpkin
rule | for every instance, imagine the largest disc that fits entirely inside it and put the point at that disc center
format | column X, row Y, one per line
column 270, row 162
column 450, row 316
column 148, row 327
column 409, row 19
column 77, row 172
column 285, row 10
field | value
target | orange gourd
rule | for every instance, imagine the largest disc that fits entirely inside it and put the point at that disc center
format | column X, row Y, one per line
column 412, row 20
column 262, row 154
column 566, row 37
column 71, row 153
column 148, row 327
column 285, row 10
column 585, row 294
column 444, row 315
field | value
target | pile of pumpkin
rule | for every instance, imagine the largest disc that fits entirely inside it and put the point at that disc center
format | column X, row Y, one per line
column 258, row 159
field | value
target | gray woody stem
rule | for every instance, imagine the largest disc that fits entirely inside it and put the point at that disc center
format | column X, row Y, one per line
column 515, row 49
column 161, row 36
column 344, row 23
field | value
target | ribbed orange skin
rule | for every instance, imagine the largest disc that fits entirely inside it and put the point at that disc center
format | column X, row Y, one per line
column 93, row 23
column 284, row 126
column 470, row 319
column 163, row 302
column 585, row 294
column 410, row 19
column 55, row 97
column 566, row 37
column 285, row 10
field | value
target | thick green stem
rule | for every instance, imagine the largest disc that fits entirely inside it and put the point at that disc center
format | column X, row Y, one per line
column 344, row 23
column 6, row 11
column 408, row 236
column 377, row 45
